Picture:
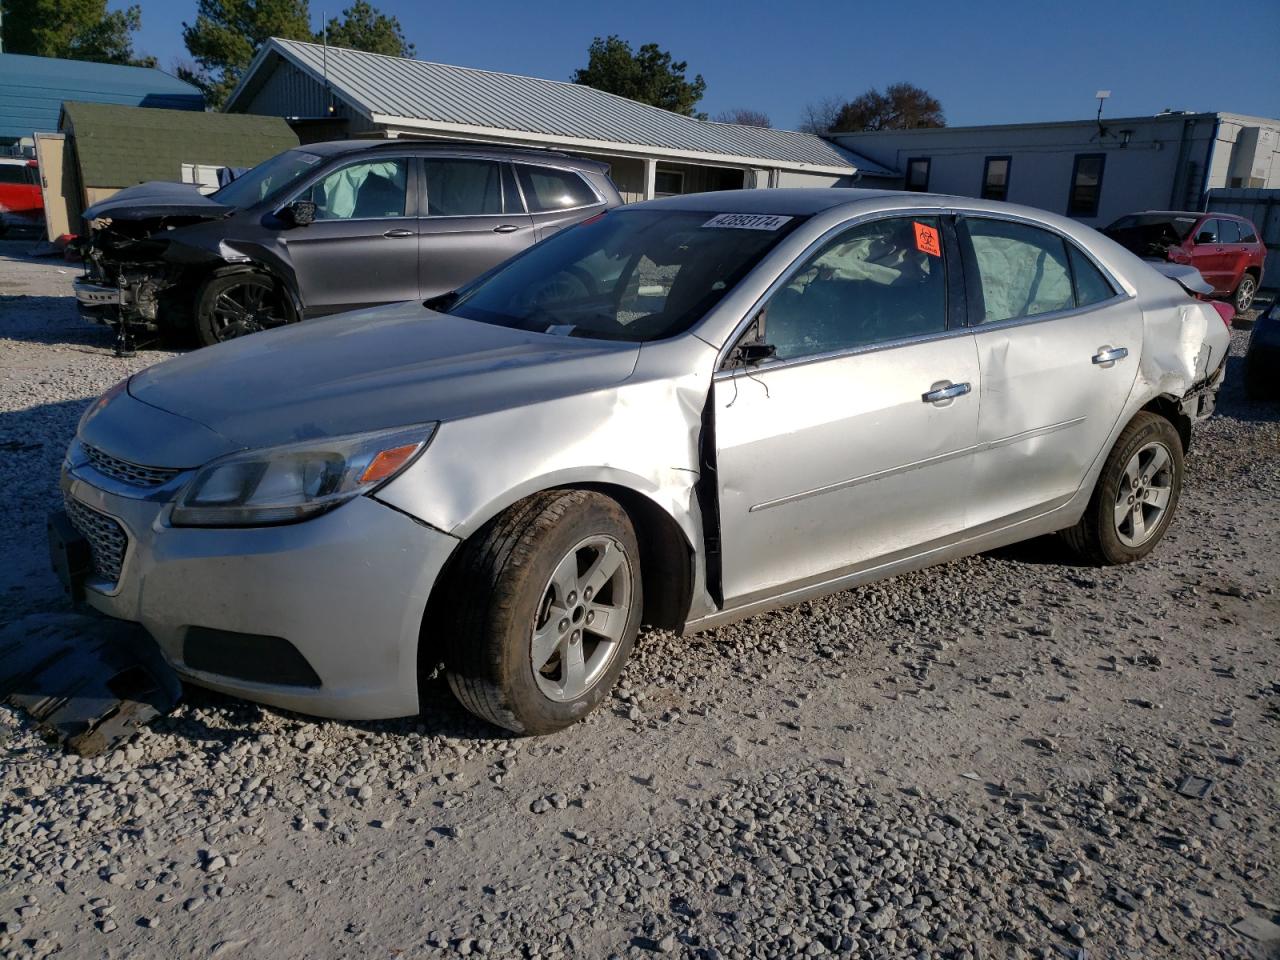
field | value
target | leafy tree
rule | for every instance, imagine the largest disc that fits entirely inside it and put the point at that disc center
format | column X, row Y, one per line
column 73, row 30
column 364, row 27
column 744, row 116
column 819, row 116
column 902, row 106
column 227, row 33
column 648, row 75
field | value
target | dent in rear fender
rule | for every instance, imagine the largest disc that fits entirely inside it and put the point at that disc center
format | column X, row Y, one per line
column 1180, row 343
column 642, row 434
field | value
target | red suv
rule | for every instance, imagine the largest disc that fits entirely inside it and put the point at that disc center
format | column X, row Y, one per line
column 1223, row 247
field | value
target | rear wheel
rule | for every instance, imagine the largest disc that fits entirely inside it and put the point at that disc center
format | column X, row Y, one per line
column 238, row 304
column 1136, row 495
column 1245, row 292
column 547, row 611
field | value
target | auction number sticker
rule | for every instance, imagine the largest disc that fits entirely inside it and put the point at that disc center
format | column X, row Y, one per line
column 746, row 221
column 927, row 240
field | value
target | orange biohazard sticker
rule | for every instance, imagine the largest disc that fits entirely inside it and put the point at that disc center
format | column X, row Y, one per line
column 927, row 240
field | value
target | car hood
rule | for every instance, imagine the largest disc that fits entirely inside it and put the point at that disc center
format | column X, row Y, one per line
column 369, row 370
column 157, row 199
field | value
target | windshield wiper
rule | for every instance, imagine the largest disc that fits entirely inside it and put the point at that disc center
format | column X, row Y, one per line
column 441, row 303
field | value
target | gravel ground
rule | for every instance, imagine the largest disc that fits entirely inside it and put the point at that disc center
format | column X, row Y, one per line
column 987, row 759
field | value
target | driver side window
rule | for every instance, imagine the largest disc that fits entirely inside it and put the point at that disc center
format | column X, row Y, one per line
column 879, row 281
column 361, row 191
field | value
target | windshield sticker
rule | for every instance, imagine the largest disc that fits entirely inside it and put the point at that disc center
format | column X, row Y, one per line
column 927, row 240
column 308, row 158
column 746, row 221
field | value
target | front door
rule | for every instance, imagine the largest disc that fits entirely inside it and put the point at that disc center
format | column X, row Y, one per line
column 362, row 248
column 472, row 220
column 853, row 443
column 1058, row 347
column 1210, row 255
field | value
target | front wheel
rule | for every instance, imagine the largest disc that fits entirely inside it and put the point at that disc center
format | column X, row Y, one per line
column 1136, row 495
column 547, row 611
column 237, row 304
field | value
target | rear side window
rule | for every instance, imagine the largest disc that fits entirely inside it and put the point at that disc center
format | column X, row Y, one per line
column 1247, row 233
column 547, row 189
column 1022, row 270
column 1228, row 231
column 880, row 281
column 1091, row 286
column 463, row 188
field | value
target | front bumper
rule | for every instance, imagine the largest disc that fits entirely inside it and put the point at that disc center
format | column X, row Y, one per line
column 98, row 303
column 347, row 589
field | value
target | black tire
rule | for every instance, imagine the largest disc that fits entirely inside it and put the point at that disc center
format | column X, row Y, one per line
column 1244, row 293
column 236, row 304
column 1097, row 537
column 504, row 594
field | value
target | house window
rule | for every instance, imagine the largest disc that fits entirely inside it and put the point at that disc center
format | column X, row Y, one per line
column 668, row 183
column 918, row 174
column 995, row 178
column 1086, row 185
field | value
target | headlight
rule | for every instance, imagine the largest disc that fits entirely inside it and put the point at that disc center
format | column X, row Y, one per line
column 300, row 480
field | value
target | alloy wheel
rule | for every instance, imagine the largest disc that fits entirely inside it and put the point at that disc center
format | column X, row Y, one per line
column 1244, row 293
column 584, row 611
column 1143, row 497
column 245, row 308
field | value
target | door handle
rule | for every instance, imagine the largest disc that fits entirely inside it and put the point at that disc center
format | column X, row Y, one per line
column 399, row 232
column 506, row 228
column 1106, row 356
column 944, row 391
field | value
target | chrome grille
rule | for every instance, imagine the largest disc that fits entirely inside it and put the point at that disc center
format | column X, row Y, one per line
column 126, row 472
column 107, row 539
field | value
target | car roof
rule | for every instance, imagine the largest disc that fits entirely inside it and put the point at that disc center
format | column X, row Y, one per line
column 332, row 148
column 1194, row 214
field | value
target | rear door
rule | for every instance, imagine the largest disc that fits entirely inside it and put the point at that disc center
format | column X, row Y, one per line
column 854, row 443
column 472, row 220
column 1058, row 346
column 1235, row 253
column 557, row 197
column 362, row 248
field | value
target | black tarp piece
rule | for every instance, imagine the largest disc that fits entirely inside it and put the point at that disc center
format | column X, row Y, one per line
column 89, row 682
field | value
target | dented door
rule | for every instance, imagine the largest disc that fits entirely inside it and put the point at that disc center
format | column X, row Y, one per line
column 1049, row 400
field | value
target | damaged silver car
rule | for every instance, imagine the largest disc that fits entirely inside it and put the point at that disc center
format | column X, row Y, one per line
column 679, row 413
column 323, row 229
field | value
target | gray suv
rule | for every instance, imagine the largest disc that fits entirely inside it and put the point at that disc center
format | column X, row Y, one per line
column 324, row 228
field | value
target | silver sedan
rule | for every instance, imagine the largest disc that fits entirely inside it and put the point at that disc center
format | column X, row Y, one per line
column 679, row 413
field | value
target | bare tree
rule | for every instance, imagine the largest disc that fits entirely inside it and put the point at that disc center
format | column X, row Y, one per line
column 819, row 116
column 744, row 116
column 902, row 106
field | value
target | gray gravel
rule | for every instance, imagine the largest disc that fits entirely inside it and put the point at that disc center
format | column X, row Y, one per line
column 996, row 758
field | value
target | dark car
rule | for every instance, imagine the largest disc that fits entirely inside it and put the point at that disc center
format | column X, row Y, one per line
column 1262, row 362
column 1225, row 248
column 325, row 228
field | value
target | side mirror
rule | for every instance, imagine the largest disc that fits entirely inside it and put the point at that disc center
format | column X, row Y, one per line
column 751, row 354
column 300, row 213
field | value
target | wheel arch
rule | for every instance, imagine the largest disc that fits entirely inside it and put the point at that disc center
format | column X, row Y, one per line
column 285, row 284
column 667, row 562
column 1171, row 409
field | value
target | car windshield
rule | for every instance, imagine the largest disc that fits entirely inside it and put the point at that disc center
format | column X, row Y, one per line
column 1153, row 223
column 633, row 275
column 266, row 179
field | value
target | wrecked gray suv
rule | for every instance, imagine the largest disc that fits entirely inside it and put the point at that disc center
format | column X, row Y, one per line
column 321, row 229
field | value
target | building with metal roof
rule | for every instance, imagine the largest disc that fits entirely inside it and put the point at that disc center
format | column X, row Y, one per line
column 651, row 152
column 32, row 91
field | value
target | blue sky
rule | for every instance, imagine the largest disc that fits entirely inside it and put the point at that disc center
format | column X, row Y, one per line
column 988, row 62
